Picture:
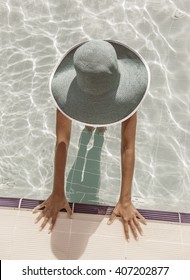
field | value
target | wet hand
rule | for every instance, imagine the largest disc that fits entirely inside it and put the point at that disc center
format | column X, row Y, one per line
column 130, row 218
column 50, row 209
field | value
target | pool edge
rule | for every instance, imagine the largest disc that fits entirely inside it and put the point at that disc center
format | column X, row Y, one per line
column 156, row 215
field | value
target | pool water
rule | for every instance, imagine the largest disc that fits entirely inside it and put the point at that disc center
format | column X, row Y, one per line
column 34, row 35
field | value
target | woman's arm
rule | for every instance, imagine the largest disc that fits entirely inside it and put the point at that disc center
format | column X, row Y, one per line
column 63, row 132
column 124, row 208
column 128, row 134
column 57, row 200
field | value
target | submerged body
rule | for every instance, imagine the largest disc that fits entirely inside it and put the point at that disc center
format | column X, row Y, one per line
column 57, row 200
column 98, row 82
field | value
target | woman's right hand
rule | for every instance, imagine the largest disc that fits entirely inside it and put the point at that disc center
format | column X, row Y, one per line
column 51, row 208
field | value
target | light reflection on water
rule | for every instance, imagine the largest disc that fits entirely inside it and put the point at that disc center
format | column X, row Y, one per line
column 34, row 34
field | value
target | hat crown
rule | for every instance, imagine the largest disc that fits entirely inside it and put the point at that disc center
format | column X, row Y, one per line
column 96, row 66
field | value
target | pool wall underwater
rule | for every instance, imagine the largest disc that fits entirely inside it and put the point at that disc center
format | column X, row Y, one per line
column 34, row 35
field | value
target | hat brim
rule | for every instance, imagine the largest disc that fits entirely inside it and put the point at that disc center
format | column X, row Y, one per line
column 104, row 110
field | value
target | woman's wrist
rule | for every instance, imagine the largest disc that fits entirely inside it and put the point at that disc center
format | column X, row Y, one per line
column 125, row 199
column 58, row 192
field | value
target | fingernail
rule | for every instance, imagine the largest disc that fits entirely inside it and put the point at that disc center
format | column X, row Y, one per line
column 137, row 238
column 128, row 240
column 109, row 222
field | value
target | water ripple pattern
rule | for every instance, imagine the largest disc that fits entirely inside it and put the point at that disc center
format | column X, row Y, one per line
column 34, row 35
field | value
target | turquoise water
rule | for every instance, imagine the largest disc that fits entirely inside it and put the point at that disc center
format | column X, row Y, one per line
column 34, row 35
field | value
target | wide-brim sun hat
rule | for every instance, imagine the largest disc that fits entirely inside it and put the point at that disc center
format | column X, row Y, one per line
column 100, row 82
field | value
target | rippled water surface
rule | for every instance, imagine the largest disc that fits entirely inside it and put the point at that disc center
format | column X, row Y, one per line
column 34, row 35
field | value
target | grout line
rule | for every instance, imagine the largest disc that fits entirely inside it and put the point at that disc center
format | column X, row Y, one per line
column 180, row 230
column 155, row 215
column 179, row 218
column 20, row 202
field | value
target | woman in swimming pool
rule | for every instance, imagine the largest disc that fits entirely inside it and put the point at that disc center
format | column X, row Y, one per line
column 98, row 83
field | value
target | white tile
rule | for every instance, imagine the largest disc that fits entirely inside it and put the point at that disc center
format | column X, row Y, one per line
column 7, row 222
column 162, row 232
column 25, row 218
column 63, row 223
column 85, row 246
column 186, row 252
column 116, row 229
column 185, row 233
column 60, row 245
column 87, row 217
column 89, row 237
column 8, row 217
column 30, row 243
column 153, row 250
column 6, row 240
column 82, row 224
column 160, row 241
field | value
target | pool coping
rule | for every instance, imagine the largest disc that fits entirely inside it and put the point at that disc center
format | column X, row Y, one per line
column 156, row 215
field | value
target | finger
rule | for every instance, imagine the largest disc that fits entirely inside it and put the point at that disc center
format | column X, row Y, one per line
column 68, row 209
column 137, row 224
column 54, row 218
column 126, row 229
column 46, row 219
column 51, row 228
column 38, row 207
column 141, row 218
column 112, row 218
column 39, row 218
column 133, row 229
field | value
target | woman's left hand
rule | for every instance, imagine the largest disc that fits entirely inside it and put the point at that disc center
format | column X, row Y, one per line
column 51, row 208
column 130, row 218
